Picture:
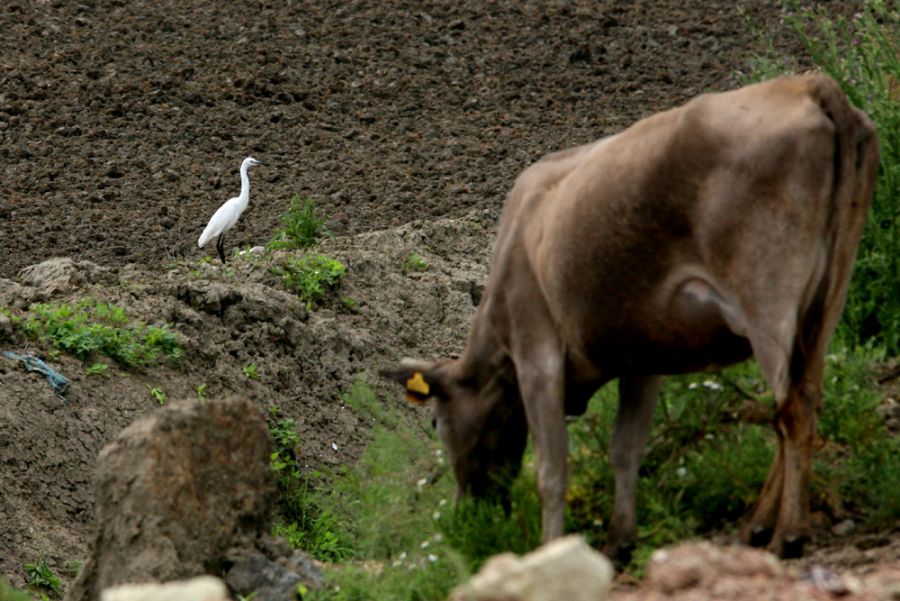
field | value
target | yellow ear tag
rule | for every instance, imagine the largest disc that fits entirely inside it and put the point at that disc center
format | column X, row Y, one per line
column 418, row 384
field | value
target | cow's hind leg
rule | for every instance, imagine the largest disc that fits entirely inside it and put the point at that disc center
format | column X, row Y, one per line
column 795, row 421
column 781, row 515
column 637, row 398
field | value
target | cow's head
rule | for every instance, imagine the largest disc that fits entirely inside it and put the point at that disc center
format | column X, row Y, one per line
column 480, row 419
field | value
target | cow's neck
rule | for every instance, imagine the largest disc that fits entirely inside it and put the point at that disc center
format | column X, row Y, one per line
column 485, row 363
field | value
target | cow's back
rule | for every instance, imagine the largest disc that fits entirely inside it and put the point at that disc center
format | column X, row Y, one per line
column 742, row 190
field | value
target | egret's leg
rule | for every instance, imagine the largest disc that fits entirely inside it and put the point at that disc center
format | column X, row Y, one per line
column 220, row 246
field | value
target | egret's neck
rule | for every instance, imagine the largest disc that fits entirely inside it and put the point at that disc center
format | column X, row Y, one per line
column 245, row 183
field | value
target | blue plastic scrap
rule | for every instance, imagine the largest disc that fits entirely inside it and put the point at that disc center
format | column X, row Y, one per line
column 58, row 381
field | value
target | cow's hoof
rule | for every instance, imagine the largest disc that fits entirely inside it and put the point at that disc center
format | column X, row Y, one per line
column 620, row 555
column 759, row 536
column 792, row 547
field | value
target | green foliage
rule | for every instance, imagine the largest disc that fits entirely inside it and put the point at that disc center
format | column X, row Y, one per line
column 402, row 580
column 394, row 510
column 414, row 264
column 249, row 370
column 863, row 55
column 301, row 521
column 702, row 469
column 857, row 468
column 310, row 275
column 201, row 393
column 89, row 328
column 705, row 464
column 41, row 576
column 303, row 226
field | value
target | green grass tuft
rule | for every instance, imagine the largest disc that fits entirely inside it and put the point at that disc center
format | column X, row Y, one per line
column 414, row 264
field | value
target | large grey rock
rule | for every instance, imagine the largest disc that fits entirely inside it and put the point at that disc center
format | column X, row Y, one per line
column 175, row 491
column 564, row 569
column 239, row 304
column 58, row 276
column 13, row 294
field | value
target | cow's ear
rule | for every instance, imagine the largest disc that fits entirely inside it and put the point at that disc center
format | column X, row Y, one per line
column 420, row 379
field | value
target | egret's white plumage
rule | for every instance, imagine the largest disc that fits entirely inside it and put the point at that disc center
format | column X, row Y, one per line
column 228, row 214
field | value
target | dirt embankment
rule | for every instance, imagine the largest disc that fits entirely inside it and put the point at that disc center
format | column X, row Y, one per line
column 226, row 318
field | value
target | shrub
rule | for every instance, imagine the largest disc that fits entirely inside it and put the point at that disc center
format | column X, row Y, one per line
column 310, row 275
column 303, row 226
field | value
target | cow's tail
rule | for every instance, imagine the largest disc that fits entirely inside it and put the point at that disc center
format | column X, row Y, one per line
column 855, row 170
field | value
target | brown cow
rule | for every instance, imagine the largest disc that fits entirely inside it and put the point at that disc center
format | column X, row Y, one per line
column 691, row 240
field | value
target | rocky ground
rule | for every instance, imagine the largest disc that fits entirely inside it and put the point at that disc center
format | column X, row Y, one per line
column 122, row 126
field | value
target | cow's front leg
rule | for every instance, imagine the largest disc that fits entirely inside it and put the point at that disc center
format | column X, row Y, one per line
column 637, row 398
column 542, row 389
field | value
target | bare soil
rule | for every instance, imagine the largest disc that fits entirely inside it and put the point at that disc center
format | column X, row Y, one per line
column 122, row 125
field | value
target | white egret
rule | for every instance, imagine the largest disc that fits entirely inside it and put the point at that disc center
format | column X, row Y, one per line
column 228, row 214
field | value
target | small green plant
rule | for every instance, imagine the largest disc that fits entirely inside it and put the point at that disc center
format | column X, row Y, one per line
column 414, row 264
column 201, row 393
column 73, row 566
column 249, row 371
column 349, row 305
column 303, row 226
column 310, row 276
column 157, row 393
column 89, row 328
column 97, row 369
column 40, row 575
